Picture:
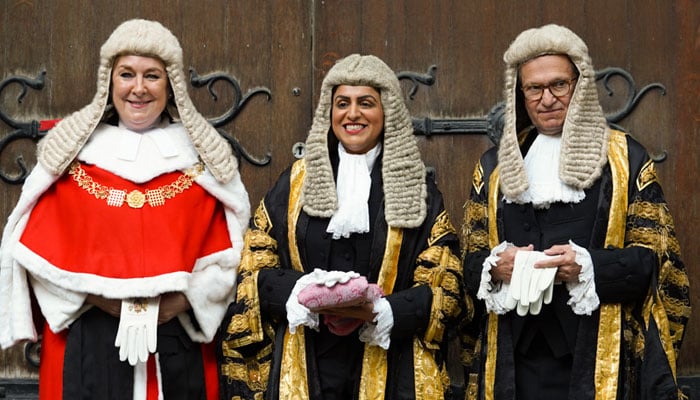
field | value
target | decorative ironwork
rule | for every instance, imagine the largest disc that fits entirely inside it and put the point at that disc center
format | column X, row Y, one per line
column 239, row 103
column 33, row 130
column 32, row 352
column 23, row 130
column 632, row 100
column 427, row 79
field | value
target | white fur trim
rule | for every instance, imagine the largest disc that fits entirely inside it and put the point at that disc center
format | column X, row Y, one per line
column 112, row 288
column 60, row 307
column 211, row 289
column 15, row 308
column 234, row 197
column 15, row 304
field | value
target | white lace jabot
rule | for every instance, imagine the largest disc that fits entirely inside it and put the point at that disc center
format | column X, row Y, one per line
column 542, row 168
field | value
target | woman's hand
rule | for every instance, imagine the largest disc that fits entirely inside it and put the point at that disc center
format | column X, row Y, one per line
column 364, row 311
column 112, row 307
column 172, row 304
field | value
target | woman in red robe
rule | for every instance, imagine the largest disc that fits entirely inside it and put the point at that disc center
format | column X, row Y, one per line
column 128, row 233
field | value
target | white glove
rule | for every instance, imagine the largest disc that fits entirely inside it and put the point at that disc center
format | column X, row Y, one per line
column 515, row 285
column 534, row 292
column 541, row 287
column 138, row 329
column 546, row 283
column 531, row 286
column 519, row 289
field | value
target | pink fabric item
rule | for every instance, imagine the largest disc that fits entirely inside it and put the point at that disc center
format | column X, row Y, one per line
column 341, row 326
column 353, row 292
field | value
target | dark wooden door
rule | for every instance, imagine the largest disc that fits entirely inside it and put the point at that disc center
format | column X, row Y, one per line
column 286, row 46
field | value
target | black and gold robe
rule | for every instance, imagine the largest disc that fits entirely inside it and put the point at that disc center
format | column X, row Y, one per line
column 628, row 347
column 418, row 269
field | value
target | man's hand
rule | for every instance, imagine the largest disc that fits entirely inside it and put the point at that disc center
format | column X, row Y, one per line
column 503, row 271
column 564, row 260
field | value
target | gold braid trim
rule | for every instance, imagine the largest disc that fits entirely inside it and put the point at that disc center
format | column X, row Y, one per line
column 429, row 378
column 259, row 251
column 674, row 276
column 374, row 362
column 442, row 271
column 494, row 183
column 261, row 219
column 441, row 227
column 661, row 236
column 492, row 322
column 252, row 372
column 647, row 175
column 651, row 225
column 246, row 327
column 478, row 178
column 491, row 356
column 653, row 239
column 473, row 237
column 610, row 324
column 293, row 376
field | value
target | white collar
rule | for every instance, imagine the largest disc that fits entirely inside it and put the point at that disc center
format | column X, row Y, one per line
column 139, row 157
column 542, row 168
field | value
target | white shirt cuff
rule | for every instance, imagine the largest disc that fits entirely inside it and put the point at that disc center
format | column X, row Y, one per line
column 379, row 332
column 495, row 296
column 583, row 298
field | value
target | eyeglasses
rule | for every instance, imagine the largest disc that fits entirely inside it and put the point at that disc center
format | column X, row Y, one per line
column 557, row 89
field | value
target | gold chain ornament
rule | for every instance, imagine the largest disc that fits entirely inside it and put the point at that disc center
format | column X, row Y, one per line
column 136, row 198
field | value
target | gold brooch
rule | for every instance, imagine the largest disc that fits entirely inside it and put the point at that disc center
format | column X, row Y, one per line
column 135, row 199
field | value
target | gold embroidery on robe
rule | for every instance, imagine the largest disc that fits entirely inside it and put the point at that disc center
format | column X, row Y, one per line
column 647, row 175
column 293, row 376
column 610, row 324
column 441, row 227
column 478, row 178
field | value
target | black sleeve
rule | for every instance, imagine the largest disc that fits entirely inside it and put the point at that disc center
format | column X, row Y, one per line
column 623, row 275
column 411, row 309
column 274, row 287
column 473, row 266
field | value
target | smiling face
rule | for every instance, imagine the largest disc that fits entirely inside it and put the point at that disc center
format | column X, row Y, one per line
column 549, row 112
column 139, row 91
column 357, row 117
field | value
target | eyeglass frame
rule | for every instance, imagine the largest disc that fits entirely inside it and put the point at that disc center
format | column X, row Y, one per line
column 549, row 87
